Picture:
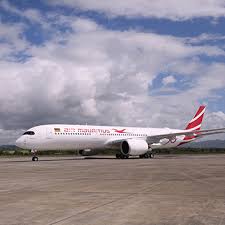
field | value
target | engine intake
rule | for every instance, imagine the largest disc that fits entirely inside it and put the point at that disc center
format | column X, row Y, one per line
column 134, row 147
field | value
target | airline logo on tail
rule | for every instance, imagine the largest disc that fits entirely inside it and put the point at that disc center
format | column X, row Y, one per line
column 194, row 124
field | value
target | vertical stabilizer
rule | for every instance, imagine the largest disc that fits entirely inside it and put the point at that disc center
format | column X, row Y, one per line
column 196, row 122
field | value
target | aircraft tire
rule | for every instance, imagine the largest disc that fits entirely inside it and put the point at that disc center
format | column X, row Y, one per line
column 118, row 156
column 121, row 156
column 34, row 158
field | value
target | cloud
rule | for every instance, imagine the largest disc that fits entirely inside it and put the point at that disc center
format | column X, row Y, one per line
column 30, row 14
column 205, row 37
column 89, row 108
column 49, row 23
column 216, row 118
column 6, row 136
column 104, row 77
column 170, row 9
column 213, row 119
column 84, row 25
column 169, row 80
column 11, row 40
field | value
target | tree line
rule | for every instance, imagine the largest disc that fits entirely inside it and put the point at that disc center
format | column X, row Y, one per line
column 15, row 151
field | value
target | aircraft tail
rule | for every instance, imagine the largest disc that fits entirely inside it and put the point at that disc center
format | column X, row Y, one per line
column 196, row 122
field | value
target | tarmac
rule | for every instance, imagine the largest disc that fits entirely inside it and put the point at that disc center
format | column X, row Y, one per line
column 166, row 190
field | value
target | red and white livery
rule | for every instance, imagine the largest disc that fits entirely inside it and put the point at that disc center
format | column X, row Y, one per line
column 126, row 141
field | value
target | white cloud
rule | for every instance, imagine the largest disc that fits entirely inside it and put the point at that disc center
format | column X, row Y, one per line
column 169, row 80
column 30, row 14
column 100, row 76
column 216, row 118
column 170, row 9
column 89, row 107
column 11, row 40
column 84, row 25
column 35, row 16
column 7, row 136
column 205, row 37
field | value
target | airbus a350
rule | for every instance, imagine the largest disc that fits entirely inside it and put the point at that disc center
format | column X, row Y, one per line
column 126, row 141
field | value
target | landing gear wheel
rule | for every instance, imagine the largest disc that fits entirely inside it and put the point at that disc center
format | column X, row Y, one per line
column 151, row 155
column 147, row 155
column 34, row 158
column 121, row 156
column 118, row 156
column 34, row 153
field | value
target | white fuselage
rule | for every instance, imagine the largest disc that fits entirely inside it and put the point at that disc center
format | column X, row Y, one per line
column 77, row 137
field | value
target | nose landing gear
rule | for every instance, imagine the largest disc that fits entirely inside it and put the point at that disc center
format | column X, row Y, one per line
column 34, row 153
column 34, row 158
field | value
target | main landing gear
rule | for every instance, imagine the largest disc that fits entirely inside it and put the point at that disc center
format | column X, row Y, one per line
column 34, row 153
column 122, row 156
column 147, row 155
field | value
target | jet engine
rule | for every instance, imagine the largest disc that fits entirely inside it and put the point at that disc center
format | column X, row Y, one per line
column 134, row 147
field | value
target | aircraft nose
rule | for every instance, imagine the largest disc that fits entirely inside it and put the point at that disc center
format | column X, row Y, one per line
column 20, row 142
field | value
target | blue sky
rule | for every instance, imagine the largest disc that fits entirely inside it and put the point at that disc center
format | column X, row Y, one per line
column 116, row 56
column 183, row 28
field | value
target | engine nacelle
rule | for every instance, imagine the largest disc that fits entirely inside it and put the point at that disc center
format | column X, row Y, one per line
column 134, row 147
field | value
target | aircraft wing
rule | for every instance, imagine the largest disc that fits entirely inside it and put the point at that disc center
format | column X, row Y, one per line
column 196, row 133
column 153, row 139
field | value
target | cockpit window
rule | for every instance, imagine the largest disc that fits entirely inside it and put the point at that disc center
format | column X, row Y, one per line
column 29, row 133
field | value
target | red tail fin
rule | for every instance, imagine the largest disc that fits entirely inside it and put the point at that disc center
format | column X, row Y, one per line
column 196, row 122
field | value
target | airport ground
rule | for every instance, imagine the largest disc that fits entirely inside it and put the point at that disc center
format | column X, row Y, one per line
column 166, row 190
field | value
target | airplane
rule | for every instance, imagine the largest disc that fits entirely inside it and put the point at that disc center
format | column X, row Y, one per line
column 126, row 141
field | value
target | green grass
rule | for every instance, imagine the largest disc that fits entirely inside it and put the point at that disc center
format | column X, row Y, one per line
column 21, row 152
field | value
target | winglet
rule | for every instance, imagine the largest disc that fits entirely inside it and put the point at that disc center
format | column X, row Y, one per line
column 196, row 122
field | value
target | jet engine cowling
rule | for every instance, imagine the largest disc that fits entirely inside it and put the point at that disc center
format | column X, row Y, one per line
column 134, row 147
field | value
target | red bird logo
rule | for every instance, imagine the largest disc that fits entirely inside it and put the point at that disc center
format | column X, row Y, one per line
column 120, row 131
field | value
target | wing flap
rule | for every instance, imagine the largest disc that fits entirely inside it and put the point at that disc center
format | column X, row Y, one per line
column 154, row 139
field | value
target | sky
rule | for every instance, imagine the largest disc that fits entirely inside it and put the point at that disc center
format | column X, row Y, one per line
column 129, row 63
